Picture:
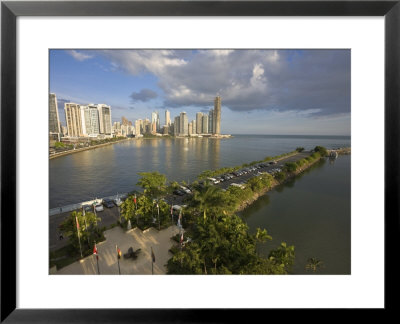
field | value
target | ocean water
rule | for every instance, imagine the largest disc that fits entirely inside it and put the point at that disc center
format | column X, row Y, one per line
column 114, row 168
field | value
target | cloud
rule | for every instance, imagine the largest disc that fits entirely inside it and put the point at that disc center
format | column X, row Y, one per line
column 79, row 56
column 143, row 95
column 316, row 82
column 61, row 102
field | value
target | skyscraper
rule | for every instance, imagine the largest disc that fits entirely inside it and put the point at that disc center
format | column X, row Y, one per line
column 167, row 118
column 137, row 127
column 105, row 119
column 199, row 123
column 85, row 120
column 93, row 117
column 190, row 129
column 217, row 116
column 54, row 120
column 194, row 127
column 183, row 129
column 124, row 121
column 177, row 123
column 155, row 118
column 73, row 119
column 205, row 124
column 210, row 121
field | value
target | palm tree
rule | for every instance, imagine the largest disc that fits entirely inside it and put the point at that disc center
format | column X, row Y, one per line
column 206, row 198
column 314, row 264
column 128, row 208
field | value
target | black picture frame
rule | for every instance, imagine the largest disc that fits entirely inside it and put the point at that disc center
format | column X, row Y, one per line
column 10, row 10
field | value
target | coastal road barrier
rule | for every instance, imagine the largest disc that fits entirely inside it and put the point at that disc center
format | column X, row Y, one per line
column 72, row 207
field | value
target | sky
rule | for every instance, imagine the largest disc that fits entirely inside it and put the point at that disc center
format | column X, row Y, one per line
column 271, row 92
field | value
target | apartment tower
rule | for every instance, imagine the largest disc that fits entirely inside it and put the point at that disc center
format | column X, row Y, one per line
column 217, row 116
column 54, row 120
column 73, row 119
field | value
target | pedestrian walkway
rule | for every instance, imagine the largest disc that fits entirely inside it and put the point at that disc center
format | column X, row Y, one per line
column 160, row 241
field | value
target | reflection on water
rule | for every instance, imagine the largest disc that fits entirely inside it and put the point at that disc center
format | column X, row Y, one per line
column 110, row 169
column 107, row 170
column 311, row 212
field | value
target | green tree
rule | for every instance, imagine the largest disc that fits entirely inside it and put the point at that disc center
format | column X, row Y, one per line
column 283, row 256
column 321, row 150
column 225, row 246
column 280, row 176
column 208, row 199
column 88, row 229
column 300, row 149
column 290, row 167
column 59, row 145
column 153, row 183
column 128, row 209
column 314, row 264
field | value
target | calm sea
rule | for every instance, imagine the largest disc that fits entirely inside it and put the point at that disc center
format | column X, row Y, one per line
column 114, row 168
column 311, row 212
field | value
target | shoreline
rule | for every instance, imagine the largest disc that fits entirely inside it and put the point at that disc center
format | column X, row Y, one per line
column 84, row 149
column 274, row 184
column 53, row 156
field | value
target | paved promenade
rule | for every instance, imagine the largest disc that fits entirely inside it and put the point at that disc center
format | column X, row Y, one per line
column 135, row 238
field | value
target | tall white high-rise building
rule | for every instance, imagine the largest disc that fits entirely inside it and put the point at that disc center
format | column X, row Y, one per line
column 54, row 120
column 205, row 124
column 183, row 129
column 73, row 119
column 90, row 120
column 199, row 122
column 137, row 127
column 167, row 118
column 155, row 118
column 194, row 127
column 85, row 121
column 105, row 119
column 190, row 129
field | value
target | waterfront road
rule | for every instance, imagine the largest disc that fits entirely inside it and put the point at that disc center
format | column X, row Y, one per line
column 110, row 216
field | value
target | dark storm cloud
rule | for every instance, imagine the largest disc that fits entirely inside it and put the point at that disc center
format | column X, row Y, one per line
column 143, row 95
column 315, row 81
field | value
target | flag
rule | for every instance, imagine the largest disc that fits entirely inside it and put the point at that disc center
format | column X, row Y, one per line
column 118, row 253
column 77, row 223
column 153, row 257
column 172, row 210
column 95, row 249
column 182, row 238
column 134, row 199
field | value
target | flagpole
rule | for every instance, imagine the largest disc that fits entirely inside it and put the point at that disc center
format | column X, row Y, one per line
column 152, row 260
column 137, row 220
column 79, row 237
column 119, row 269
column 84, row 215
column 172, row 221
column 158, row 211
column 97, row 258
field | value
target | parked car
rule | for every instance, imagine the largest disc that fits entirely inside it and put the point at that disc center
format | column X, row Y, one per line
column 98, row 207
column 87, row 208
column 179, row 192
column 117, row 201
column 186, row 190
column 108, row 203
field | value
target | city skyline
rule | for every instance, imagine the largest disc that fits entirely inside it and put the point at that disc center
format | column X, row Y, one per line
column 294, row 92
